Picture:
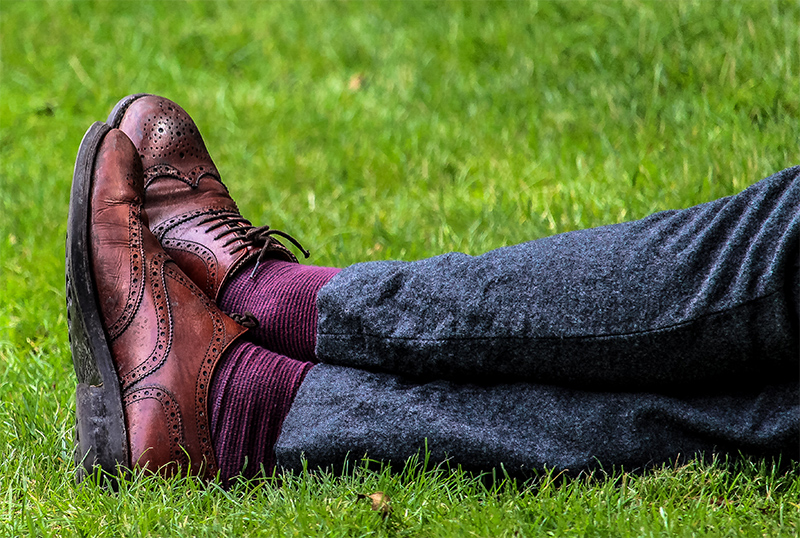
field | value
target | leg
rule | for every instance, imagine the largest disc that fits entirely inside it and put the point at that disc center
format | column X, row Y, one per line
column 679, row 297
column 250, row 394
column 343, row 413
column 200, row 225
column 683, row 296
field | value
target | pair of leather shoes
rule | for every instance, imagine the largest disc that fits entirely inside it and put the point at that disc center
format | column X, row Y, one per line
column 152, row 238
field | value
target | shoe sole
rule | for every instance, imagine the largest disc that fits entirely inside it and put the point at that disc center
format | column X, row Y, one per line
column 100, row 434
column 115, row 117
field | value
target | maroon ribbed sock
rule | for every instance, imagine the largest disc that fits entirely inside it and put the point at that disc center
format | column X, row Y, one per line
column 283, row 298
column 250, row 395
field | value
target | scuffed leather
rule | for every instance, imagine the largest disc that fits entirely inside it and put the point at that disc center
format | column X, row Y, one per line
column 165, row 334
column 182, row 188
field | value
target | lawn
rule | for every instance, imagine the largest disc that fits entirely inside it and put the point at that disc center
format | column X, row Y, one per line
column 388, row 130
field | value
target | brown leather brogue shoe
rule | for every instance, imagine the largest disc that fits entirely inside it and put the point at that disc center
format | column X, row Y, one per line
column 188, row 206
column 145, row 339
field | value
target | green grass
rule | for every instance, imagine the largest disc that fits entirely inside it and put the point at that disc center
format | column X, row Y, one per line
column 382, row 131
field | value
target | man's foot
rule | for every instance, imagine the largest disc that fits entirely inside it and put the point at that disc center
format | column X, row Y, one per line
column 189, row 209
column 145, row 339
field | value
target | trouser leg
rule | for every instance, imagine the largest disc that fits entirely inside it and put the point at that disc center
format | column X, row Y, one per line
column 700, row 295
column 344, row 413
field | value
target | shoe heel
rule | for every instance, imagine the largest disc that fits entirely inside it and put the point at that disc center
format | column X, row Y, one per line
column 97, row 433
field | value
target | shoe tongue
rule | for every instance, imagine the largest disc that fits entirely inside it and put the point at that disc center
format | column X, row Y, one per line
column 168, row 197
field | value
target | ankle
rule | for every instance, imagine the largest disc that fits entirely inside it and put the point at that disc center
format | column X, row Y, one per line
column 280, row 298
column 250, row 395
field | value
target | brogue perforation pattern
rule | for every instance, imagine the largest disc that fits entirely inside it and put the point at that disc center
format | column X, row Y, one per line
column 163, row 326
column 161, row 230
column 205, row 254
column 218, row 343
column 137, row 277
column 169, row 134
column 177, row 437
column 192, row 178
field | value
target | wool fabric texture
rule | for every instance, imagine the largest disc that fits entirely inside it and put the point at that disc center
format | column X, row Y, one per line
column 250, row 395
column 283, row 298
column 342, row 414
column 695, row 298
column 626, row 345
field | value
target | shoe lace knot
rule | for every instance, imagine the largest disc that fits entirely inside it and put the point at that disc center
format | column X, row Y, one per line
column 239, row 230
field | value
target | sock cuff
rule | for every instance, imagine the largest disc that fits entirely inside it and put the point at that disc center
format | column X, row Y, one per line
column 283, row 298
column 250, row 395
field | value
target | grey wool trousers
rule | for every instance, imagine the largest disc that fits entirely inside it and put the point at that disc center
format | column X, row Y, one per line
column 624, row 345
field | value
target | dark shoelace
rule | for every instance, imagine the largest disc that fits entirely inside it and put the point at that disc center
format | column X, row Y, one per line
column 249, row 235
column 262, row 236
column 240, row 229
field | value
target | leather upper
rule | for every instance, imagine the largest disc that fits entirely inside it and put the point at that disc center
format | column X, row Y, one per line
column 188, row 206
column 165, row 334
